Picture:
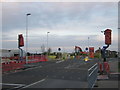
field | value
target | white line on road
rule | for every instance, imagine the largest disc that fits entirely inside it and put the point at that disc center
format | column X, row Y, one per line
column 25, row 70
column 34, row 83
column 92, row 67
column 59, row 61
column 15, row 85
column 11, row 84
column 33, row 68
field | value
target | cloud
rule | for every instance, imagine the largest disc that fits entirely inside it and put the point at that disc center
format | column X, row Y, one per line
column 69, row 24
column 51, row 15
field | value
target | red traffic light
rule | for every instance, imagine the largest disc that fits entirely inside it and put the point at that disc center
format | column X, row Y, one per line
column 20, row 40
column 107, row 33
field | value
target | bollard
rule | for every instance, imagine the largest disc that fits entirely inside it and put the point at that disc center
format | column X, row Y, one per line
column 100, row 68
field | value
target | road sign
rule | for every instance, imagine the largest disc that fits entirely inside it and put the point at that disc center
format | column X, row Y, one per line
column 59, row 49
column 86, row 48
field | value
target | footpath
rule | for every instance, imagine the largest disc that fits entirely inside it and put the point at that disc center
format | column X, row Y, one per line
column 110, row 81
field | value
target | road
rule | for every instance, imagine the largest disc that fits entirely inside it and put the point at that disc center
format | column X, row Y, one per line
column 50, row 74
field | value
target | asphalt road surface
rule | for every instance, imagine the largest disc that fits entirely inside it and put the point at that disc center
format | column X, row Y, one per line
column 50, row 74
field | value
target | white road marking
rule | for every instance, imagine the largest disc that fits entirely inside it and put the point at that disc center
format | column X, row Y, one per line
column 11, row 84
column 34, row 83
column 59, row 61
column 15, row 85
column 25, row 70
column 33, row 68
column 92, row 67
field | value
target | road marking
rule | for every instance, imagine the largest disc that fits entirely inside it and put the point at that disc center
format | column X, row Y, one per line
column 33, row 68
column 34, row 83
column 59, row 61
column 15, row 85
column 92, row 67
column 11, row 84
column 24, row 70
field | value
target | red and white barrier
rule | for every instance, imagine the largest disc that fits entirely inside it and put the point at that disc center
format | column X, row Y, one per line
column 104, row 67
column 13, row 65
column 9, row 66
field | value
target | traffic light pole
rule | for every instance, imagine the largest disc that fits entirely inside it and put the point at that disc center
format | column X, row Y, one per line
column 21, row 53
column 20, row 44
column 105, row 64
column 103, row 53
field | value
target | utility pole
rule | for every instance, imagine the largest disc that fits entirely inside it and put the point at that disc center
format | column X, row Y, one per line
column 28, row 14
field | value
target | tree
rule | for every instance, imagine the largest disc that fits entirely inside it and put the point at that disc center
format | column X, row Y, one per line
column 43, row 48
column 49, row 50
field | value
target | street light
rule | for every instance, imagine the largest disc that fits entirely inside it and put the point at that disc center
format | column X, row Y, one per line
column 88, row 42
column 88, row 45
column 47, row 41
column 28, row 14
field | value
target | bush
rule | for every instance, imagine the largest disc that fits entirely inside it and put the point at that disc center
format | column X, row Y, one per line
column 97, row 55
column 51, row 56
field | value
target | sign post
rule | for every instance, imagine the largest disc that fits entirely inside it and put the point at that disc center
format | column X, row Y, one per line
column 59, row 55
column 20, row 44
column 107, row 34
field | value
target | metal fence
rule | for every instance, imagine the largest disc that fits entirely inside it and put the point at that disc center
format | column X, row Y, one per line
column 92, row 75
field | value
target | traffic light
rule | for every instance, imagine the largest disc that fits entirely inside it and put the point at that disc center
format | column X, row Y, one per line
column 107, row 33
column 20, row 40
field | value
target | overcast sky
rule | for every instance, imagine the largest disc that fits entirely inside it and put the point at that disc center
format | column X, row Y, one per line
column 69, row 24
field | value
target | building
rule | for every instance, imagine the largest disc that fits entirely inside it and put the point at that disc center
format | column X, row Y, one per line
column 11, row 53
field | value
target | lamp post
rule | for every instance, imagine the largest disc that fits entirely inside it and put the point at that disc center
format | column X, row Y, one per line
column 28, row 14
column 88, row 46
column 88, row 42
column 47, row 42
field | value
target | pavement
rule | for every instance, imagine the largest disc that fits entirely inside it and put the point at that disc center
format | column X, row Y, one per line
column 111, row 80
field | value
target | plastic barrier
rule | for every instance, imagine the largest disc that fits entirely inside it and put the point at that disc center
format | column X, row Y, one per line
column 104, row 67
column 8, row 66
column 100, row 67
column 36, row 59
